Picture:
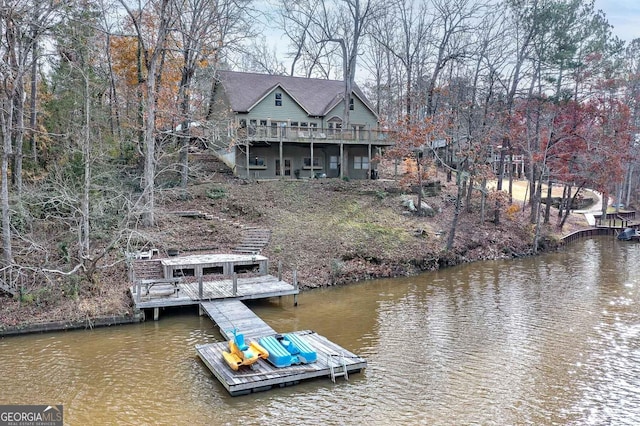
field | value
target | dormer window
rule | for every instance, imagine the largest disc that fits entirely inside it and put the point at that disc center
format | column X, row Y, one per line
column 278, row 99
column 351, row 105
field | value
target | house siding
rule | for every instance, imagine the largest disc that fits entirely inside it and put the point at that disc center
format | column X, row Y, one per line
column 360, row 114
column 289, row 110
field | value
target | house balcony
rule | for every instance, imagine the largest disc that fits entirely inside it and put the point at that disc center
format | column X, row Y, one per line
column 276, row 134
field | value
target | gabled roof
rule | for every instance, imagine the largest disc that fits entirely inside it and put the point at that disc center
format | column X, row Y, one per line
column 316, row 96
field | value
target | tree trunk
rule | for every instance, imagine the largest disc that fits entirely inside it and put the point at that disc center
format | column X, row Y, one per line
column 185, row 132
column 7, row 118
column 483, row 200
column 469, row 195
column 33, row 97
column 456, row 214
column 547, row 211
column 86, row 155
column 16, row 173
column 570, row 203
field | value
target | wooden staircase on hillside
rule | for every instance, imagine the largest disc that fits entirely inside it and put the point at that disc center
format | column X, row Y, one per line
column 253, row 241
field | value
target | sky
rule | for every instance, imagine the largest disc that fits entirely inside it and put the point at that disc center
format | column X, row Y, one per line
column 624, row 15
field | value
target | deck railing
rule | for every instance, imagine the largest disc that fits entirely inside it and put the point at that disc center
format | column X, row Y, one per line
column 313, row 134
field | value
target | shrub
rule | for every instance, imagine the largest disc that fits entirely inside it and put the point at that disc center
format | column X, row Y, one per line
column 512, row 210
column 216, row 193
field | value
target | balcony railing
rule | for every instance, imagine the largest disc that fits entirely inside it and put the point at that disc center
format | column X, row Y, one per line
column 306, row 135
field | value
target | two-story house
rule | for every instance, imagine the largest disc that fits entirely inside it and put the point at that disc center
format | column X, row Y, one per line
column 270, row 126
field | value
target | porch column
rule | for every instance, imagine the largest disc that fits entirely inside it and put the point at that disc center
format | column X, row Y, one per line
column 341, row 160
column 369, row 161
column 311, row 173
column 281, row 160
column 248, row 171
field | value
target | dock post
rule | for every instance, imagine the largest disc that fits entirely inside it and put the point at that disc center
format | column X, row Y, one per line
column 295, row 286
column 235, row 284
column 156, row 314
column 138, row 288
column 280, row 270
column 200, row 290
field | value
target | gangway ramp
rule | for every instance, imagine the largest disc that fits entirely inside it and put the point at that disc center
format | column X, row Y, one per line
column 230, row 314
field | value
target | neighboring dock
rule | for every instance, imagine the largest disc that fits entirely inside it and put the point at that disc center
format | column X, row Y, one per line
column 333, row 360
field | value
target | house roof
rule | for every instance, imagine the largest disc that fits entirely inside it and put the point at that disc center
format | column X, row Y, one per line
column 316, row 96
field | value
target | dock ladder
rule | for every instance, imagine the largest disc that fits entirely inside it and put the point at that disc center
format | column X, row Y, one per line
column 338, row 370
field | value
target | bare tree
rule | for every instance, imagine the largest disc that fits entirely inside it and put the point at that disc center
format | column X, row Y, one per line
column 22, row 24
column 152, row 48
column 406, row 41
column 263, row 58
column 205, row 27
column 339, row 22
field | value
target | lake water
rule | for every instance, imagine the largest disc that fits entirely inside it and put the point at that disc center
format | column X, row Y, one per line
column 553, row 339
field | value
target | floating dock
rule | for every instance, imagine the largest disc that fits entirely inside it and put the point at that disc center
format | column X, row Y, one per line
column 333, row 360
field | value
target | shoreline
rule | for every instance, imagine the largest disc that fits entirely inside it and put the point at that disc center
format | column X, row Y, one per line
column 69, row 325
column 139, row 317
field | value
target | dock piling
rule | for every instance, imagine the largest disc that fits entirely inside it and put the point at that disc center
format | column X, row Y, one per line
column 235, row 284
column 295, row 287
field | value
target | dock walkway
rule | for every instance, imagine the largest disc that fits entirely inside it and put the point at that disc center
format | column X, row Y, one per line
column 333, row 360
column 233, row 314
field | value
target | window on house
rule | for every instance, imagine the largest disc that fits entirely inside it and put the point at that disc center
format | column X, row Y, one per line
column 307, row 163
column 278, row 99
column 351, row 104
column 257, row 161
column 333, row 162
column 361, row 163
column 286, row 167
column 334, row 127
column 304, row 124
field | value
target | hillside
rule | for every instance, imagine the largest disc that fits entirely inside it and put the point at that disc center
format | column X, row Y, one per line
column 331, row 231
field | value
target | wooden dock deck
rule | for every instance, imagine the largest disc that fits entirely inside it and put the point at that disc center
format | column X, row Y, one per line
column 189, row 280
column 258, row 287
column 333, row 360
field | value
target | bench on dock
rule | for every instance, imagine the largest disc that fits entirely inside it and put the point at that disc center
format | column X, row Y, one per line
column 166, row 286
